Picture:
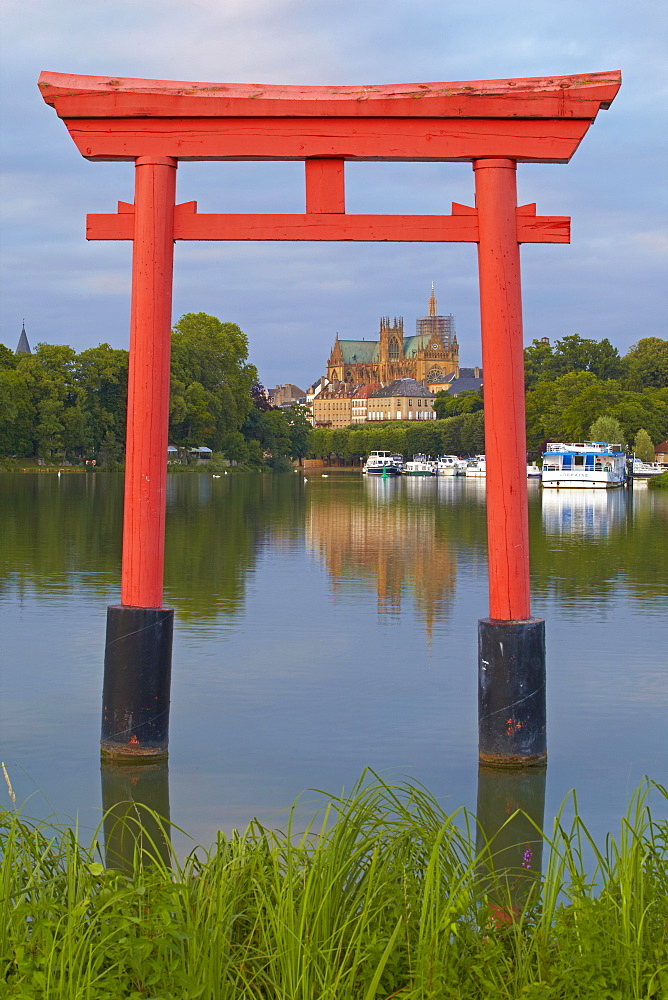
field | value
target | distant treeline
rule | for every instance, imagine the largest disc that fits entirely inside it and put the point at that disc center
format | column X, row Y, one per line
column 58, row 405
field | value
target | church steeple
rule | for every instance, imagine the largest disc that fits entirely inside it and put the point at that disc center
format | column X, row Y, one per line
column 23, row 346
column 432, row 302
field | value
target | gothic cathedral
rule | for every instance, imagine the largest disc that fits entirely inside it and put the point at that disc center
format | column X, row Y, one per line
column 430, row 355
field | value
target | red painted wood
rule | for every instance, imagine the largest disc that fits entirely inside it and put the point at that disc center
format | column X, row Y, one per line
column 494, row 123
column 503, row 363
column 425, row 139
column 460, row 227
column 148, row 383
column 579, row 96
column 325, row 191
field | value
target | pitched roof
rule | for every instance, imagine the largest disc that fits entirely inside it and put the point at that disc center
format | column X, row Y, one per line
column 417, row 343
column 460, row 385
column 359, row 351
column 23, row 346
column 402, row 387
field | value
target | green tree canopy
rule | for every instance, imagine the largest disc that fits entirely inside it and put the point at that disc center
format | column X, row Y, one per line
column 607, row 429
column 572, row 353
column 643, row 447
column 647, row 363
column 211, row 380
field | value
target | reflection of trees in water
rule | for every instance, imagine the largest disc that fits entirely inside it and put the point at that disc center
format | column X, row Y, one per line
column 65, row 534
column 55, row 531
column 384, row 540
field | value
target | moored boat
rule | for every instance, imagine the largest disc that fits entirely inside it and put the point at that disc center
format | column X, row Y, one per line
column 586, row 465
column 476, row 467
column 533, row 471
column 450, row 465
column 420, row 465
column 381, row 463
column 645, row 470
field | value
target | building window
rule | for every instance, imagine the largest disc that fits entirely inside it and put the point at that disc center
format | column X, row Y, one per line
column 393, row 349
column 410, row 402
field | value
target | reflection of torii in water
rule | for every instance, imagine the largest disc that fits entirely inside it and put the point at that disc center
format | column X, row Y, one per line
column 494, row 124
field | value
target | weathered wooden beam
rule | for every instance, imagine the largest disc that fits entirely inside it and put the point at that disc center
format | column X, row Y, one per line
column 580, row 96
column 460, row 227
column 422, row 139
column 325, row 190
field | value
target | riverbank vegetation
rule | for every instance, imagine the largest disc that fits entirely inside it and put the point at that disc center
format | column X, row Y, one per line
column 383, row 896
column 59, row 407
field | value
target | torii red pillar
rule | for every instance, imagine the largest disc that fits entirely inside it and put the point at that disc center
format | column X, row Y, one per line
column 494, row 124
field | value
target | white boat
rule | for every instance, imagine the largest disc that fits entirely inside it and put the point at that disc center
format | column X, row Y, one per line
column 645, row 470
column 450, row 465
column 533, row 471
column 398, row 461
column 381, row 463
column 420, row 466
column 587, row 465
column 476, row 467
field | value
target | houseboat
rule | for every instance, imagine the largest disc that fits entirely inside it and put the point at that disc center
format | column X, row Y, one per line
column 420, row 466
column 381, row 463
column 588, row 465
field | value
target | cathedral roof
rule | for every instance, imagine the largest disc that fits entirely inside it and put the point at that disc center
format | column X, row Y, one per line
column 364, row 352
column 417, row 343
column 359, row 352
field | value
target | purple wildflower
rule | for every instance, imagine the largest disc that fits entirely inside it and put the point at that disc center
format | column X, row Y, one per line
column 526, row 860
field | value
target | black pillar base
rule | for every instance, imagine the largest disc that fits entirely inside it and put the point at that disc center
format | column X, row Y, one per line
column 137, row 676
column 511, row 692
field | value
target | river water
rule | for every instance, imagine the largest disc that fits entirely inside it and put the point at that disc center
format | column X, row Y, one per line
column 325, row 624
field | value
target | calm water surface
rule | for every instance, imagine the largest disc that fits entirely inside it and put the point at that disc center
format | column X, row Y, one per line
column 323, row 627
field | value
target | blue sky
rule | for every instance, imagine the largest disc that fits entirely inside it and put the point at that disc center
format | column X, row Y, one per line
column 291, row 299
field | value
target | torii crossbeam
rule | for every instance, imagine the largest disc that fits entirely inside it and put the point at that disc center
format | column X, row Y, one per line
column 494, row 124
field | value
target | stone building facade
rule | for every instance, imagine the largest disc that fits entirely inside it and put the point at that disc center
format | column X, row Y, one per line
column 432, row 353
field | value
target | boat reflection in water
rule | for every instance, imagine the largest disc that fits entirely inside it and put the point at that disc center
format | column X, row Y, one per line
column 592, row 513
column 510, row 813
column 388, row 542
column 135, row 801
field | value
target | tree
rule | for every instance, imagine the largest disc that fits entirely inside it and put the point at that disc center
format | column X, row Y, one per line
column 101, row 373
column 7, row 358
column 643, row 447
column 647, row 363
column 299, row 430
column 211, row 380
column 572, row 353
column 446, row 405
column 537, row 363
column 607, row 429
column 259, row 397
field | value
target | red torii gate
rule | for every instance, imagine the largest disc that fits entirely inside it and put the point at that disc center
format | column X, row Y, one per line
column 494, row 124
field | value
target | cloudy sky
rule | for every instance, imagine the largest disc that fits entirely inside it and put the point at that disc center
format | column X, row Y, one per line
column 291, row 299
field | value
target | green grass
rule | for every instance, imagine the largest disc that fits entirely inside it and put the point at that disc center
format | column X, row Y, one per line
column 659, row 482
column 386, row 896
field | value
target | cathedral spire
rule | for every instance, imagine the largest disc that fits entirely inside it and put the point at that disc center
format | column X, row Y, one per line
column 432, row 301
column 23, row 347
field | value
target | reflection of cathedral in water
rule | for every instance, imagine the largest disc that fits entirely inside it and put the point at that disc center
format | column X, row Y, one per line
column 382, row 540
column 591, row 513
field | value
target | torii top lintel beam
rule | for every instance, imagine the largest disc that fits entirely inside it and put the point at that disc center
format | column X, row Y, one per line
column 122, row 119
